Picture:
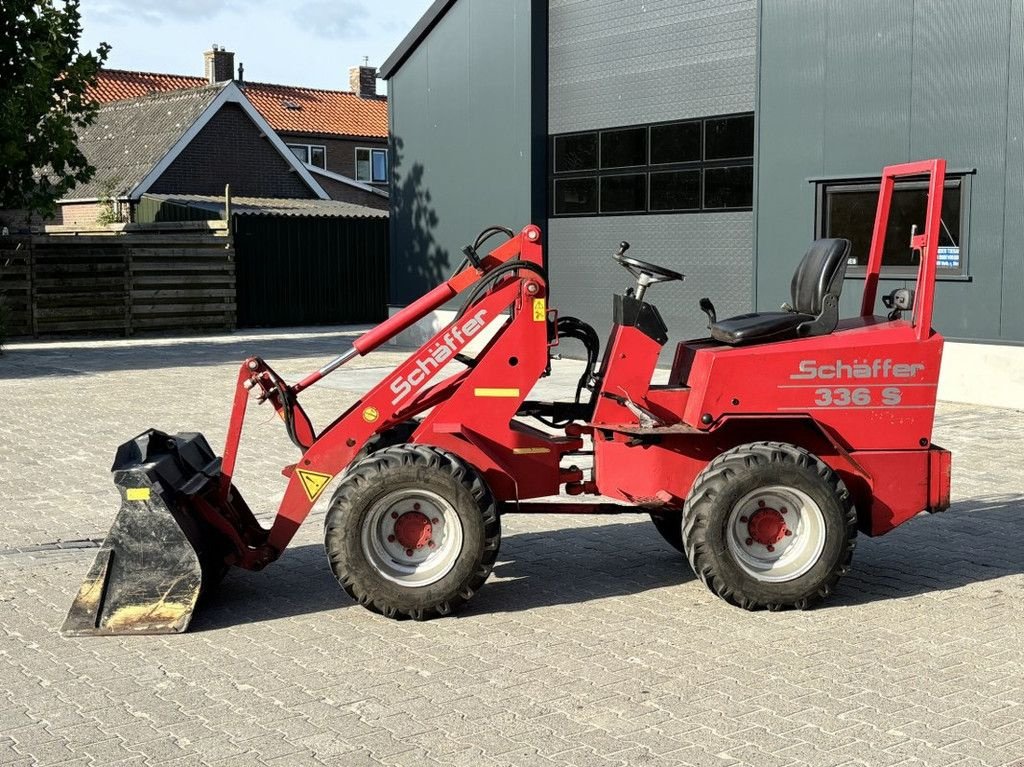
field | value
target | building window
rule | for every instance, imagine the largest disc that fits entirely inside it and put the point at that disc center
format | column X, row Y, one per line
column 372, row 165
column 688, row 166
column 847, row 209
column 311, row 154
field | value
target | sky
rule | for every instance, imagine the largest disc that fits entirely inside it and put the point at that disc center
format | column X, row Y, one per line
column 302, row 42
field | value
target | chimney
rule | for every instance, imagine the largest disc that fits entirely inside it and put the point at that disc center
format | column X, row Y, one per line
column 220, row 64
column 362, row 81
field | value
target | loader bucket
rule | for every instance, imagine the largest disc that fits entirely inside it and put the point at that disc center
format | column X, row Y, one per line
column 160, row 553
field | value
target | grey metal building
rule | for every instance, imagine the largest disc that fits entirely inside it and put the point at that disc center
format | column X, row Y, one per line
column 719, row 137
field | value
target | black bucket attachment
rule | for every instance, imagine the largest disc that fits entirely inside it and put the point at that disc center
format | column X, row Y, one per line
column 161, row 552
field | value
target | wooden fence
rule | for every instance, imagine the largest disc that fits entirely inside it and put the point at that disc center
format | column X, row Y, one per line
column 119, row 279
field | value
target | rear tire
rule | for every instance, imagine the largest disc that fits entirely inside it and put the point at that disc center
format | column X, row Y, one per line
column 769, row 525
column 670, row 525
column 412, row 532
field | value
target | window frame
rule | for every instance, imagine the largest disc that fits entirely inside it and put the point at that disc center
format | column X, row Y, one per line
column 598, row 172
column 663, row 172
column 371, row 151
column 309, row 153
column 956, row 180
column 585, row 171
column 622, row 173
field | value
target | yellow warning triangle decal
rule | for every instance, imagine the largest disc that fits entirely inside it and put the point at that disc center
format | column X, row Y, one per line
column 313, row 482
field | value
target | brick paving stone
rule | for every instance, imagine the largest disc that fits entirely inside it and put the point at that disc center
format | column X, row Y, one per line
column 592, row 645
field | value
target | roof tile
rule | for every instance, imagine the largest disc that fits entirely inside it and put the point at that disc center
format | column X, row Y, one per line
column 129, row 137
column 319, row 111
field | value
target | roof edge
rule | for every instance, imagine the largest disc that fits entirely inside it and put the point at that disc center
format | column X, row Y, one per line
column 412, row 40
column 229, row 92
column 242, row 83
column 346, row 180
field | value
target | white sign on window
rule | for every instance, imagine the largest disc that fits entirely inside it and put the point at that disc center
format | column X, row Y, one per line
column 949, row 257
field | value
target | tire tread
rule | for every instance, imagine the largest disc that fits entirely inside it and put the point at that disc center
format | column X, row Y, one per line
column 712, row 480
column 426, row 459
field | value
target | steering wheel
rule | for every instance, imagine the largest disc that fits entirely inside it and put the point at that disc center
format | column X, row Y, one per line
column 646, row 274
column 637, row 268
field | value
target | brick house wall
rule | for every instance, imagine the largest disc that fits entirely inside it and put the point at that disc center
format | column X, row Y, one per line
column 345, row 193
column 341, row 153
column 230, row 150
column 67, row 214
column 86, row 213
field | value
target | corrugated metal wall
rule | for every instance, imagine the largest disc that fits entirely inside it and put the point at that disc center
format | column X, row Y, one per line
column 460, row 112
column 847, row 87
column 619, row 62
column 300, row 270
column 151, row 210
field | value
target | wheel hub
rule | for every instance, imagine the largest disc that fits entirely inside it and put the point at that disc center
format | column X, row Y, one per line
column 412, row 537
column 767, row 526
column 776, row 533
column 413, row 530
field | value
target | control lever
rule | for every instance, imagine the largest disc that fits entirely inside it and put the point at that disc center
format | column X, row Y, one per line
column 709, row 309
column 623, row 247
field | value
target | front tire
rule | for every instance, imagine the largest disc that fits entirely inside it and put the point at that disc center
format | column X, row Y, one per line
column 769, row 525
column 412, row 532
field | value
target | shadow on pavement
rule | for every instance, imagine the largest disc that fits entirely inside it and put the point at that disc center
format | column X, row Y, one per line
column 73, row 358
column 579, row 564
column 559, row 567
column 299, row 583
column 979, row 539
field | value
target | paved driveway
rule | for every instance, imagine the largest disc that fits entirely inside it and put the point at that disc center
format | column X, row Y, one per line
column 592, row 644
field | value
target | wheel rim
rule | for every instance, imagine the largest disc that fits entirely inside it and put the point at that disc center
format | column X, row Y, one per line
column 412, row 537
column 776, row 533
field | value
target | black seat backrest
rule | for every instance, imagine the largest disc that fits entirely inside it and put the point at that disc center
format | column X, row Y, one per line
column 820, row 274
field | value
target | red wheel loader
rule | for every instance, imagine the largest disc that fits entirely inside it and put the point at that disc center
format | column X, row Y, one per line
column 776, row 439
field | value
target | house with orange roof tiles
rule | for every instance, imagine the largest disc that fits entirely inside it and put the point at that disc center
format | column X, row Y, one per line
column 333, row 132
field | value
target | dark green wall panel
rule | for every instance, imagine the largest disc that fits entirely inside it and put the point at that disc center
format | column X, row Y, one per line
column 1012, row 326
column 462, row 133
column 847, row 87
column 791, row 113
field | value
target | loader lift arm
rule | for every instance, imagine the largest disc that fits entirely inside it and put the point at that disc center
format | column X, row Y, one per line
column 325, row 454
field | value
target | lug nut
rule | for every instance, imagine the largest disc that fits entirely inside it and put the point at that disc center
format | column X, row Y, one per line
column 750, row 541
column 782, row 509
column 789, row 532
column 408, row 552
column 761, row 504
column 771, row 548
column 434, row 521
column 391, row 539
column 394, row 515
column 431, row 544
column 415, row 507
column 743, row 519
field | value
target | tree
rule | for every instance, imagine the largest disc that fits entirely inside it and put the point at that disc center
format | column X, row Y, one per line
column 43, row 101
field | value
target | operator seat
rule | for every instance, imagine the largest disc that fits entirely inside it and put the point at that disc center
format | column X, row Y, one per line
column 815, row 289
